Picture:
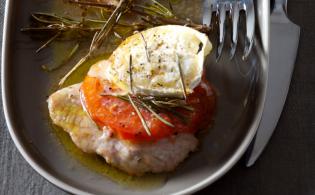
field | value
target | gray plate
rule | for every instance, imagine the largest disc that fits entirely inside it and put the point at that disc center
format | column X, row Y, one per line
column 241, row 92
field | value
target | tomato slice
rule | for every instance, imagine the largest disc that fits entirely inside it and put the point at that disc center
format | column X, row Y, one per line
column 121, row 118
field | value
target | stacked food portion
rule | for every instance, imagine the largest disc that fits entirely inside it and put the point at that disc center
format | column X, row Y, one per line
column 141, row 107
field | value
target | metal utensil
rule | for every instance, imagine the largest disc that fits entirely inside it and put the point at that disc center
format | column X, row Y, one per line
column 233, row 8
column 284, row 36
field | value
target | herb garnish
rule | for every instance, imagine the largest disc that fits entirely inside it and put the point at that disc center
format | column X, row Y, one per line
column 144, row 124
column 150, row 14
column 100, row 36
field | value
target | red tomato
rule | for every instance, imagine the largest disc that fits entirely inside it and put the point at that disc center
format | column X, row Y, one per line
column 121, row 118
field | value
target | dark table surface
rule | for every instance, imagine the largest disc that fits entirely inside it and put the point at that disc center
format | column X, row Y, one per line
column 286, row 167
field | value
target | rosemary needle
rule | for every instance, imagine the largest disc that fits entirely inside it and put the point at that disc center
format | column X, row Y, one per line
column 141, row 103
column 99, row 37
column 48, row 42
column 181, row 77
column 144, row 124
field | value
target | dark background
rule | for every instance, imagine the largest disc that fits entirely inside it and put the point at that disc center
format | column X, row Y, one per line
column 286, row 167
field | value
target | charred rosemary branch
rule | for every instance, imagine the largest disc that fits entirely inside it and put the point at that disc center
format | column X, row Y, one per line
column 47, row 22
column 100, row 36
column 151, row 14
column 157, row 105
column 160, row 102
column 155, row 7
column 154, row 14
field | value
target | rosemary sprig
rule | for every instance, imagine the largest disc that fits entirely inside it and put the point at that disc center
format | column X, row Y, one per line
column 141, row 102
column 113, row 19
column 50, row 22
column 164, row 16
column 162, row 102
column 144, row 124
column 100, row 36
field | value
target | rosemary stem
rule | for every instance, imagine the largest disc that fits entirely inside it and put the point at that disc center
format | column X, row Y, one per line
column 99, row 37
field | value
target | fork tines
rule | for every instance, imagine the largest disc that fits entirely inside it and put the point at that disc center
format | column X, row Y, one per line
column 231, row 7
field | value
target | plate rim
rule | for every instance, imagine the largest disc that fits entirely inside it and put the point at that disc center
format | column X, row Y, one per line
column 58, row 182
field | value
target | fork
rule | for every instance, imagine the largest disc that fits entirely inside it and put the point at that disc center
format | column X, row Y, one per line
column 231, row 8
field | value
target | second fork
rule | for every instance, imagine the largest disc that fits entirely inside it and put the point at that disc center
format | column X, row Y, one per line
column 232, row 8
